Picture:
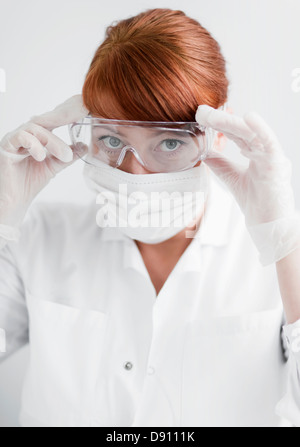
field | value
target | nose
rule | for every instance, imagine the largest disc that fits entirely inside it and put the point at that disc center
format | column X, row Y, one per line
column 132, row 166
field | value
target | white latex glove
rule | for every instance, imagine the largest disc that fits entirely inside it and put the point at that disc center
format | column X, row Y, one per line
column 263, row 190
column 26, row 167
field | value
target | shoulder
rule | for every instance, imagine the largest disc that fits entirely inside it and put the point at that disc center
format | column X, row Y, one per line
column 226, row 227
column 235, row 264
column 223, row 220
column 46, row 222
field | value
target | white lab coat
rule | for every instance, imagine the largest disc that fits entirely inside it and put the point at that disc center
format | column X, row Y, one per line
column 105, row 351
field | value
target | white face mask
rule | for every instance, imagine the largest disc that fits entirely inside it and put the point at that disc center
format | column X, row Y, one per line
column 149, row 208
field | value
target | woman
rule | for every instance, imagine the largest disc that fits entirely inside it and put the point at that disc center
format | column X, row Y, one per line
column 150, row 327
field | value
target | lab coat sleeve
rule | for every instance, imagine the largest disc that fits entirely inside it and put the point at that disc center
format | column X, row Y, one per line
column 13, row 310
column 289, row 406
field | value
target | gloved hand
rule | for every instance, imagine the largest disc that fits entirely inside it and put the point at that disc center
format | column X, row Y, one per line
column 26, row 167
column 263, row 190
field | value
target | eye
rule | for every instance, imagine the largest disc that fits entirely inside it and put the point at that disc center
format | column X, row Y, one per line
column 111, row 142
column 171, row 145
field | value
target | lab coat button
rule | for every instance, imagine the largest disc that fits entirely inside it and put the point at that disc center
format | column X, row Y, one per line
column 128, row 366
column 151, row 371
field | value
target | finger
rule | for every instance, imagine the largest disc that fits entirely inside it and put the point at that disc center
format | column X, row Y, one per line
column 263, row 132
column 68, row 112
column 57, row 166
column 226, row 170
column 243, row 145
column 53, row 144
column 228, row 124
column 27, row 141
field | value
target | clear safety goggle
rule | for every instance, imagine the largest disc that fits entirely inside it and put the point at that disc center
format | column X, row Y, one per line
column 158, row 146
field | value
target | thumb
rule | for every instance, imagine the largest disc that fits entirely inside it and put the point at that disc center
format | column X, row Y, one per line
column 66, row 113
column 79, row 151
column 226, row 170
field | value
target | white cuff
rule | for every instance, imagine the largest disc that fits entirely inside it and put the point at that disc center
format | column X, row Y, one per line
column 275, row 240
column 289, row 406
column 292, row 335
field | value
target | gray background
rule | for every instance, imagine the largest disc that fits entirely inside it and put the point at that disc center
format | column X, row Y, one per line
column 47, row 46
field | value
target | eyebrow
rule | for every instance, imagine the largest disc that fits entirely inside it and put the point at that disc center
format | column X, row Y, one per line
column 178, row 132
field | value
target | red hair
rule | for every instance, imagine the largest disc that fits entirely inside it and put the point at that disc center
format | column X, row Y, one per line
column 157, row 66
